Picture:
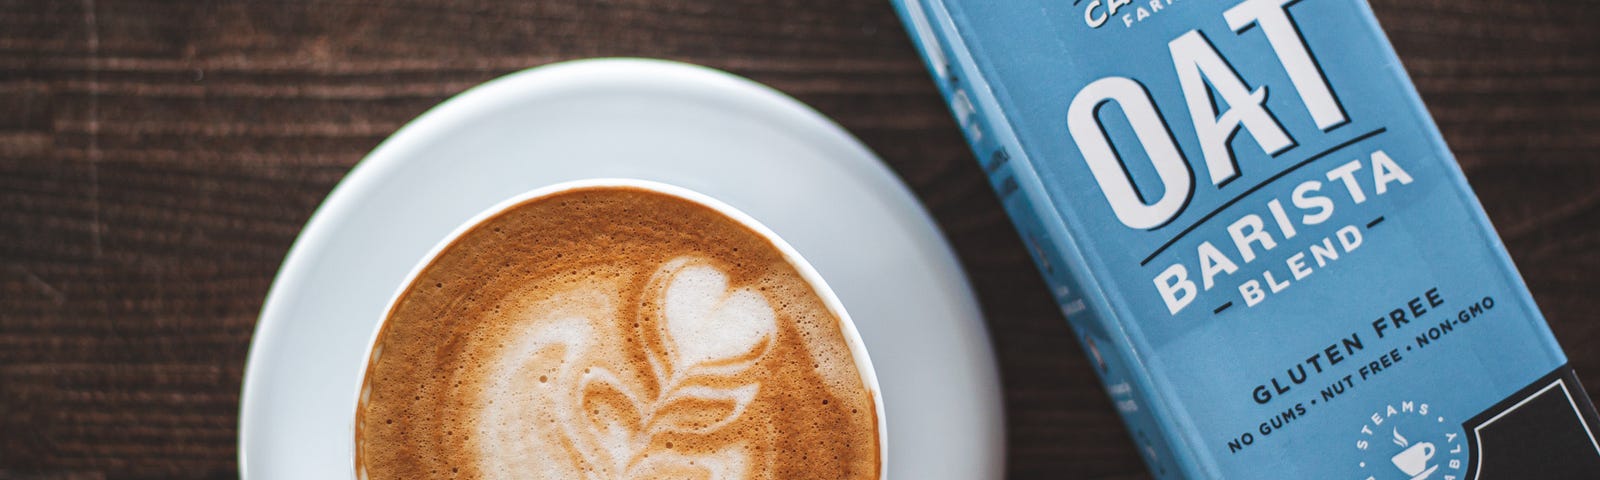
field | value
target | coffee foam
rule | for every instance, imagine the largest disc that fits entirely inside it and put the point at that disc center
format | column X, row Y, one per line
column 614, row 333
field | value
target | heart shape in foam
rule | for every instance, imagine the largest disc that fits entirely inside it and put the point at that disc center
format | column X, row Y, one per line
column 706, row 320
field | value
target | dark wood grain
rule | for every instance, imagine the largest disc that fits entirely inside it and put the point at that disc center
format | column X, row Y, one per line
column 157, row 159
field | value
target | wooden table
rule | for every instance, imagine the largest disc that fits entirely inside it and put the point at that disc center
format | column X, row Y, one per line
column 157, row 159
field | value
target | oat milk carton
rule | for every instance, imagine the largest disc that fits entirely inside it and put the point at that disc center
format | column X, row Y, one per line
column 1258, row 233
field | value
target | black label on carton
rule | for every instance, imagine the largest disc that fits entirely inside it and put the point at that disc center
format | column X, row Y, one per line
column 1546, row 431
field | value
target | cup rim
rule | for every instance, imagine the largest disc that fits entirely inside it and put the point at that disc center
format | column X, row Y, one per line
column 858, row 349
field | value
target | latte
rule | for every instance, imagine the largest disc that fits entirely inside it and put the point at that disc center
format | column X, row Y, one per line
column 614, row 333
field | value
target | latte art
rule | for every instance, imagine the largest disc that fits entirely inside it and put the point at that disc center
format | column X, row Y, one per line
column 705, row 336
column 707, row 321
column 614, row 333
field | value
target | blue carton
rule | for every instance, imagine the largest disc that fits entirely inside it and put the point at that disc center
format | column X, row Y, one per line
column 1258, row 234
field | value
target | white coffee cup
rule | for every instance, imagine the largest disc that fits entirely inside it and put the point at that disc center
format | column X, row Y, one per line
column 1414, row 459
column 847, row 327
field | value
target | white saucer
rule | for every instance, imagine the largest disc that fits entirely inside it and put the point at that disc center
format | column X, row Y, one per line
column 748, row 145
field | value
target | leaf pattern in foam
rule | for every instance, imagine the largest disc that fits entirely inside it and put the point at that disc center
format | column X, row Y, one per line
column 612, row 412
column 728, row 463
column 698, row 409
column 710, row 332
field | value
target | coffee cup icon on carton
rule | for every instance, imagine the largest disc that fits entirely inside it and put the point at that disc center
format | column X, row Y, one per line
column 1413, row 460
